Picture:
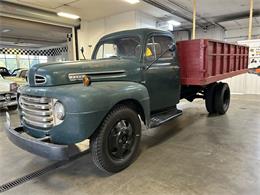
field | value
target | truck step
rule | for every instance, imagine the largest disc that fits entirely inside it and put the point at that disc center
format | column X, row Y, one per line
column 163, row 117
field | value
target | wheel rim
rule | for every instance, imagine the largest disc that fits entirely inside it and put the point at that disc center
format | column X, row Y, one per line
column 121, row 140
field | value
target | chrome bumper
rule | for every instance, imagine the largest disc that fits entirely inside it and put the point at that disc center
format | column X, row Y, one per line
column 7, row 99
column 8, row 103
column 36, row 146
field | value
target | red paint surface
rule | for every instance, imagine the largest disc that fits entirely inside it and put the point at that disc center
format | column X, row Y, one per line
column 204, row 61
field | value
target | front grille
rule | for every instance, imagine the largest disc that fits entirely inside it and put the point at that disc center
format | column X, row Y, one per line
column 36, row 111
column 38, row 79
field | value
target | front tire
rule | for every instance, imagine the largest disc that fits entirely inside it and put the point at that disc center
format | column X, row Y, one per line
column 115, row 144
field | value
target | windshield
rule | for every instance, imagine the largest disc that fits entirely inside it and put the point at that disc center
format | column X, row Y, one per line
column 119, row 48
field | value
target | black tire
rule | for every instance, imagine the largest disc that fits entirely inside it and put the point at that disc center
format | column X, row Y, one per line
column 222, row 98
column 108, row 153
column 12, row 107
column 209, row 98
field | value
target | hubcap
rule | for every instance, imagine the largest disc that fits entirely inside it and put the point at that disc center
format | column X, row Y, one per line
column 121, row 140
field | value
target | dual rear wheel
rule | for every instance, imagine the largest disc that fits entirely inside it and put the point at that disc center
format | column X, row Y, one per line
column 217, row 98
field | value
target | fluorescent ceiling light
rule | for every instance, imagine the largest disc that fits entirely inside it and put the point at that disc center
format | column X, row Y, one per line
column 133, row 1
column 6, row 30
column 174, row 23
column 67, row 15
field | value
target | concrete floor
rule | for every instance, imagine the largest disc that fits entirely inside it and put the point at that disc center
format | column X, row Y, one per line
column 194, row 154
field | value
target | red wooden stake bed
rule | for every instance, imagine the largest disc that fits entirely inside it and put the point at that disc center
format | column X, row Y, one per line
column 204, row 61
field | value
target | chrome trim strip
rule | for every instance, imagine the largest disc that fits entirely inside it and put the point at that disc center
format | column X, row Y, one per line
column 37, row 124
column 105, row 77
column 36, row 112
column 41, row 100
column 99, row 74
column 37, row 119
column 41, row 79
column 37, row 106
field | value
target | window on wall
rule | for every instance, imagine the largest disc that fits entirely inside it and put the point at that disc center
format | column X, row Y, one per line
column 2, row 60
column 12, row 62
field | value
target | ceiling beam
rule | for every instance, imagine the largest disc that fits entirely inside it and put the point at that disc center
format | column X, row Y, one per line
column 236, row 16
column 171, row 11
column 203, row 25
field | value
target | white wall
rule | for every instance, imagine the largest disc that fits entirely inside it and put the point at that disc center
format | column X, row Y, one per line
column 213, row 32
column 239, row 34
column 246, row 83
column 92, row 31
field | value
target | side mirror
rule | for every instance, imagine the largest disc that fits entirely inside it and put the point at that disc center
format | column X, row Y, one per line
column 172, row 48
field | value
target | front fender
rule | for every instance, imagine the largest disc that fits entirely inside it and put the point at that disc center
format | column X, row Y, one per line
column 86, row 107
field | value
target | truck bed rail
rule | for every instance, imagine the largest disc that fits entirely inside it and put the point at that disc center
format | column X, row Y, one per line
column 205, row 61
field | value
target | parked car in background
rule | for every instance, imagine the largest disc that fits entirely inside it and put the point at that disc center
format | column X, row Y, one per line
column 4, row 72
column 20, row 77
column 15, row 71
column 8, row 94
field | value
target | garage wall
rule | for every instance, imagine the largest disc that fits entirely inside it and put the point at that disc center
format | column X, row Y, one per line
column 234, row 35
column 213, row 32
column 246, row 83
column 92, row 31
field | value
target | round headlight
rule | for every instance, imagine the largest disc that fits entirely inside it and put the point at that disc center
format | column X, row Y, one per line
column 59, row 110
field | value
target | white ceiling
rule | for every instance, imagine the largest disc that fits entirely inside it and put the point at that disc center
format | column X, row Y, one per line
column 212, row 8
column 89, row 10
column 31, row 34
column 95, row 9
column 241, row 23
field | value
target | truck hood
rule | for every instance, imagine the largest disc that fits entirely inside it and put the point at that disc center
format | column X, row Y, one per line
column 62, row 73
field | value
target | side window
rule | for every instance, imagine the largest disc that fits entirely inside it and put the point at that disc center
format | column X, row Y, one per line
column 164, row 43
column 150, row 52
column 156, row 46
column 107, row 50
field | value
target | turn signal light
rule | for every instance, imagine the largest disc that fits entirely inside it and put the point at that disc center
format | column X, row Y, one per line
column 86, row 80
column 257, row 71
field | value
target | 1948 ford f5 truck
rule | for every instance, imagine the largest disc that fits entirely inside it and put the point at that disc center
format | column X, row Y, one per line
column 134, row 75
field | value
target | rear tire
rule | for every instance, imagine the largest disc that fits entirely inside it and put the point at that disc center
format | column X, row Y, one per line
column 222, row 98
column 209, row 98
column 115, row 144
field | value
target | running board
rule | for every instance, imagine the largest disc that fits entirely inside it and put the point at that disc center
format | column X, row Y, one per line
column 163, row 117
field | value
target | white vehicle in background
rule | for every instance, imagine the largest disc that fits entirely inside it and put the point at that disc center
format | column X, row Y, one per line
column 8, row 94
column 18, row 77
column 254, row 55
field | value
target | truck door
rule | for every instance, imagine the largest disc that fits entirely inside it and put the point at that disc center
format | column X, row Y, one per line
column 162, row 78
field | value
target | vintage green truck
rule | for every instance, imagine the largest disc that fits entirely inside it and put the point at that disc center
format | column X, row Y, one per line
column 133, row 76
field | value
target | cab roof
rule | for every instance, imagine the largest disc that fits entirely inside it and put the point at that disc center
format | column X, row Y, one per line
column 143, row 32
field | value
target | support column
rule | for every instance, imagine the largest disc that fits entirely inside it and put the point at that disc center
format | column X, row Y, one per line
column 194, row 20
column 250, row 19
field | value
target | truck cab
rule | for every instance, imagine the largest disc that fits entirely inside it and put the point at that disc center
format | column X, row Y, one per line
column 133, row 76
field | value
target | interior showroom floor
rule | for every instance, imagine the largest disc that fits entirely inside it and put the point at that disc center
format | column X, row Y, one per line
column 194, row 154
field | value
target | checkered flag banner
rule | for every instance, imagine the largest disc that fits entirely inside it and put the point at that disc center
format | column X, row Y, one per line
column 47, row 52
